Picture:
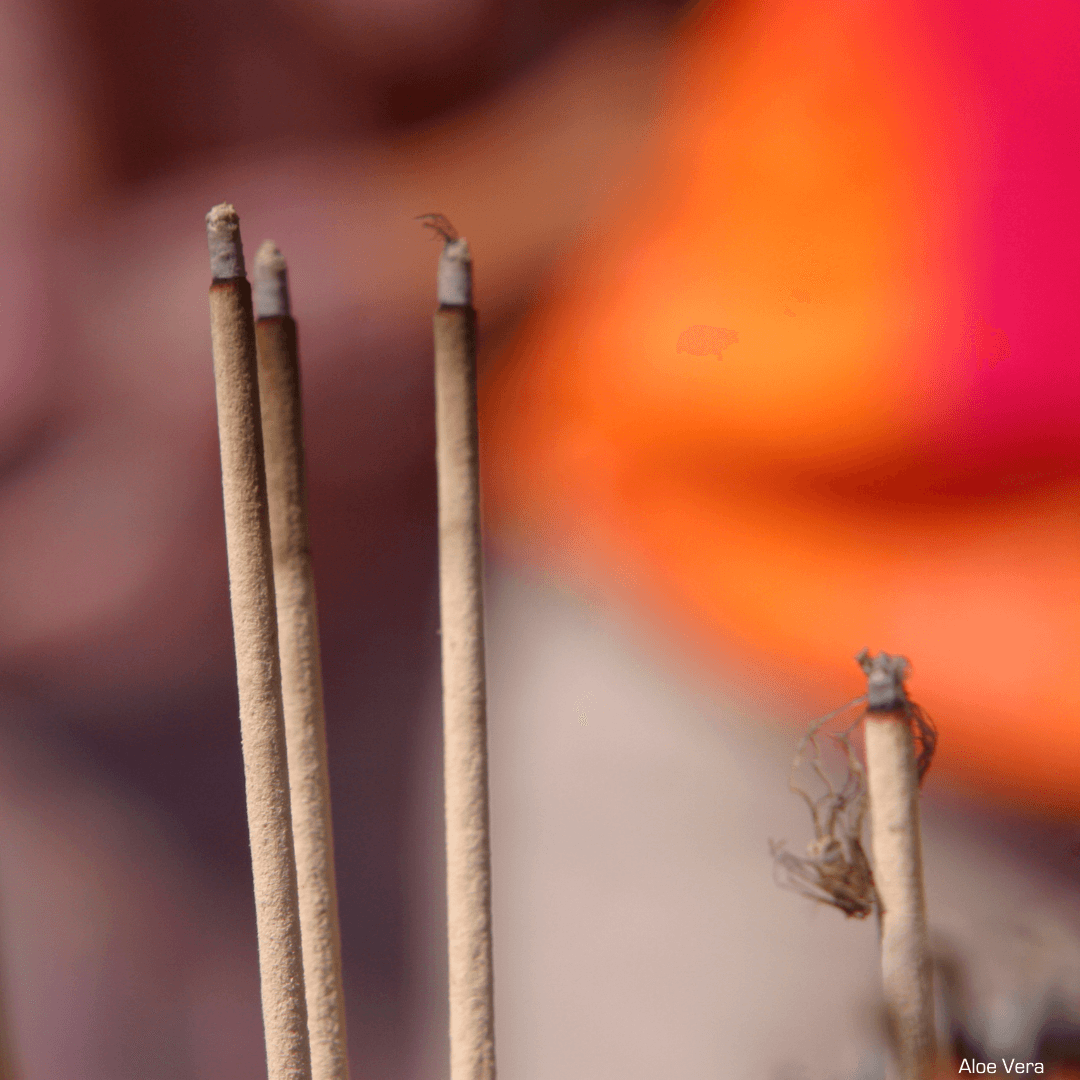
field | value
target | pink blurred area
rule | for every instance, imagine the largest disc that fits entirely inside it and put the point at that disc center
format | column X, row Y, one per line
column 133, row 122
column 127, row 921
column 1023, row 72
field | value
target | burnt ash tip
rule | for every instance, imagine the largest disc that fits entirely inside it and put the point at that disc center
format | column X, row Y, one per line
column 270, row 283
column 440, row 225
column 885, row 675
column 223, row 238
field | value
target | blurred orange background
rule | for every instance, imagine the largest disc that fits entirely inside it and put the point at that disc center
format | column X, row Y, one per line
column 865, row 195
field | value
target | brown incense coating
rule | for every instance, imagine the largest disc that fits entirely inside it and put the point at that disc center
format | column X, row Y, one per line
column 302, row 692
column 251, row 586
column 893, row 783
column 468, row 853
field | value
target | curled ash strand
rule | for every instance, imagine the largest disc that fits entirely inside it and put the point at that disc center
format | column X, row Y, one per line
column 835, row 870
column 440, row 225
column 925, row 735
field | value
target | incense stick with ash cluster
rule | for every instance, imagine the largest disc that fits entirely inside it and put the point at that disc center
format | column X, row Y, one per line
column 251, row 588
column 895, row 768
column 461, row 600
column 900, row 742
column 301, row 674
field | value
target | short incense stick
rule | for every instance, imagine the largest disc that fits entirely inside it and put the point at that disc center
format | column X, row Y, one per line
column 893, row 782
column 251, row 587
column 468, row 851
column 301, row 675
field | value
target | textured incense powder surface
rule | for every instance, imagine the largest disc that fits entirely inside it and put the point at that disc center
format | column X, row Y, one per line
column 461, row 605
column 262, row 725
column 301, row 674
column 892, row 780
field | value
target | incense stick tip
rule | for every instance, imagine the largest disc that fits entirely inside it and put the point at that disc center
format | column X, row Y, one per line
column 223, row 236
column 455, row 274
column 271, row 282
column 885, row 675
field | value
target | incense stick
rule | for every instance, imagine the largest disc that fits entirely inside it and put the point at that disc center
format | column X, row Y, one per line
column 468, row 849
column 251, row 587
column 301, row 676
column 893, row 782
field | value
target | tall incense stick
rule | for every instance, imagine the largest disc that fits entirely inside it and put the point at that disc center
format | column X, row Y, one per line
column 251, row 587
column 461, row 598
column 301, row 676
column 893, row 783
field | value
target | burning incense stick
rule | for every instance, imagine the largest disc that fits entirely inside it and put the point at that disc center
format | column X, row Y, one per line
column 893, row 775
column 468, row 851
column 251, row 587
column 301, row 677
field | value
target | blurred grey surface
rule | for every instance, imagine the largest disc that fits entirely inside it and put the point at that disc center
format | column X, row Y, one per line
column 639, row 930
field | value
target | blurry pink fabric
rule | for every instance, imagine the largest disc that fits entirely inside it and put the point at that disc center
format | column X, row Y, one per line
column 1025, row 66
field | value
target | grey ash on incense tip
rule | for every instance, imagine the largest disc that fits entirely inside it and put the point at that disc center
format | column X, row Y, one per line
column 223, row 237
column 454, row 282
column 455, row 274
column 885, row 677
column 270, row 282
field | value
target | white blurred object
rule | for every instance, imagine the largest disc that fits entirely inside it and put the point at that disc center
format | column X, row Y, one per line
column 639, row 932
column 1011, row 990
